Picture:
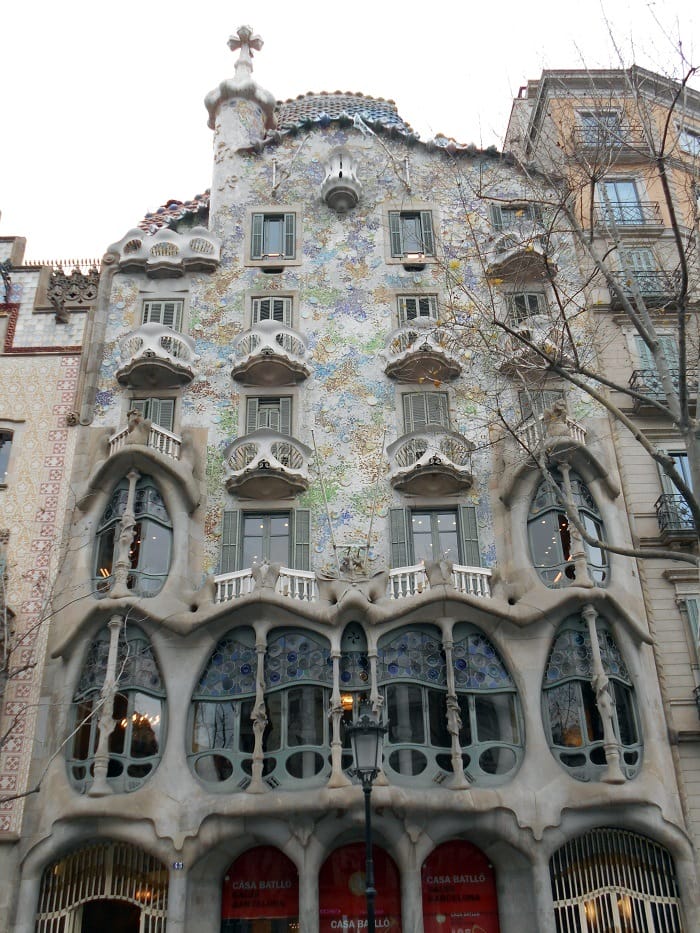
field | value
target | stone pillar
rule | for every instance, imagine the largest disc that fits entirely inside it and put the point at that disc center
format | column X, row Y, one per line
column 411, row 898
column 27, row 903
column 454, row 720
column 543, row 921
column 127, row 524
column 257, row 785
column 177, row 899
column 337, row 778
column 578, row 551
column 100, row 787
column 308, row 897
column 604, row 701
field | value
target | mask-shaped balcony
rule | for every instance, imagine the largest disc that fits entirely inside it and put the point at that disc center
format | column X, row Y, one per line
column 156, row 357
column 552, row 430
column 521, row 258
column 432, row 461
column 419, row 351
column 267, row 465
column 269, row 354
column 168, row 254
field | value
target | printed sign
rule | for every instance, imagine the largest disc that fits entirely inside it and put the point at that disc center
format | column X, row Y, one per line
column 261, row 884
column 341, row 891
column 459, row 890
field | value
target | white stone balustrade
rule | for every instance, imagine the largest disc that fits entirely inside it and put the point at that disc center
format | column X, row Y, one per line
column 472, row 581
column 165, row 442
column 534, row 431
column 297, row 584
column 155, row 355
column 407, row 581
column 233, row 585
column 269, row 353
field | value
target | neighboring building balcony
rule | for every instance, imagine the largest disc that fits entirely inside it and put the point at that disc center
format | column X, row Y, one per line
column 647, row 383
column 626, row 214
column 412, row 581
column 165, row 442
column 419, row 351
column 402, row 583
column 543, row 430
column 155, row 356
column 267, row 465
column 657, row 287
column 521, row 258
column 269, row 354
column 622, row 138
column 432, row 461
column 676, row 523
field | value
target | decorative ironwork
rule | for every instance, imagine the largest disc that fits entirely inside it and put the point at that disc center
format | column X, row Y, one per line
column 629, row 214
column 674, row 516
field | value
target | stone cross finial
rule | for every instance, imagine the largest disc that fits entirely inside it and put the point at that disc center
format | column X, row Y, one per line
column 244, row 40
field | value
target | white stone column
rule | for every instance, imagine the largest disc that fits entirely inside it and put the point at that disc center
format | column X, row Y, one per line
column 127, row 524
column 411, row 899
column 27, row 903
column 337, row 778
column 543, row 921
column 177, row 900
column 106, row 722
column 454, row 720
column 257, row 785
column 604, row 701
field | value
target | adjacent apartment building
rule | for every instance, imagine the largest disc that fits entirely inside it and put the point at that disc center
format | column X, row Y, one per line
column 314, row 472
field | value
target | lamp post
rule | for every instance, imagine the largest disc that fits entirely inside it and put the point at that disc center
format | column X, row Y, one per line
column 366, row 739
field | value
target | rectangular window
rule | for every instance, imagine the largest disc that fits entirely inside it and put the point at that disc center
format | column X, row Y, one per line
column 272, row 309
column 273, row 236
column 537, row 401
column 525, row 305
column 416, row 307
column 269, row 412
column 601, row 127
column 669, row 348
column 513, row 216
column 689, row 141
column 278, row 537
column 431, row 534
column 423, row 408
column 5, row 451
column 621, row 203
column 692, row 608
column 160, row 411
column 167, row 313
column 411, row 234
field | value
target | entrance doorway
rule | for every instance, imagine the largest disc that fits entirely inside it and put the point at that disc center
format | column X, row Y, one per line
column 110, row 917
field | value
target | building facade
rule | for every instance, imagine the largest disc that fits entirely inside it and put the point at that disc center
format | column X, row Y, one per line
column 293, row 500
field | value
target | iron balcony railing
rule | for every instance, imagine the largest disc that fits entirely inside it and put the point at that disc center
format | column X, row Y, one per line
column 656, row 287
column 608, row 136
column 628, row 214
column 674, row 516
column 647, row 382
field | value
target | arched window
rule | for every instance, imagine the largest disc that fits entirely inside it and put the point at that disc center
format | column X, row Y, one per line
column 298, row 678
column 572, row 719
column 151, row 540
column 613, row 879
column 411, row 671
column 549, row 532
column 221, row 729
column 491, row 733
column 138, row 710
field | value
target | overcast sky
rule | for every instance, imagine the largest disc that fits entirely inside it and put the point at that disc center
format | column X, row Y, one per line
column 102, row 104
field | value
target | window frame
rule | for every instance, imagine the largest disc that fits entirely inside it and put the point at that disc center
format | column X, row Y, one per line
column 288, row 300
column 255, row 228
column 624, row 212
column 395, row 252
column 411, row 424
column 178, row 312
column 595, row 132
column 7, row 447
column 689, row 132
column 518, row 317
column 285, row 411
column 146, row 405
column 401, row 535
column 402, row 312
column 232, row 549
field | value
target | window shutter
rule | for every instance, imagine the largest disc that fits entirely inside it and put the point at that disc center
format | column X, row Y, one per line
column 692, row 607
column 300, row 535
column 395, row 233
column 437, row 412
column 496, row 217
column 252, row 416
column 669, row 348
column 289, row 236
column 163, row 414
column 400, row 541
column 414, row 415
column 285, row 416
column 471, row 552
column 229, row 541
column 279, row 308
column 426, row 223
column 171, row 316
column 256, row 246
column 140, row 405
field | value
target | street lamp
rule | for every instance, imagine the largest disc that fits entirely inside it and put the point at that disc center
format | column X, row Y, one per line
column 366, row 739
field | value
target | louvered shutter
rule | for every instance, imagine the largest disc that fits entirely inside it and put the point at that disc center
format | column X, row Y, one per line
column 401, row 555
column 496, row 217
column 163, row 412
column 300, row 536
column 229, row 541
column 426, row 223
column 414, row 413
column 692, row 607
column 289, row 236
column 285, row 420
column 257, row 229
column 436, row 406
column 395, row 233
column 252, row 416
column 171, row 314
column 469, row 532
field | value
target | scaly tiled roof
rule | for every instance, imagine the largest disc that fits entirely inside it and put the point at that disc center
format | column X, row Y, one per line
column 322, row 108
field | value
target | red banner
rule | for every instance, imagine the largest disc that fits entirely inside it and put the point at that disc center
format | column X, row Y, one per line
column 261, row 883
column 341, row 891
column 459, row 890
